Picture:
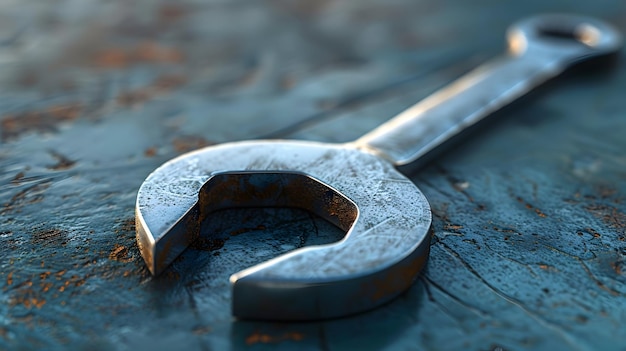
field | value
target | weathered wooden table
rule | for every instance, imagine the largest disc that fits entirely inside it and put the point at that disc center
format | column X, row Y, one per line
column 529, row 250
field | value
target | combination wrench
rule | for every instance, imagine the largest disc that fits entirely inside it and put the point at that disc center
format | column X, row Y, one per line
column 355, row 185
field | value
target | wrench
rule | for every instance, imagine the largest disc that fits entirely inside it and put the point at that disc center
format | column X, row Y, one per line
column 355, row 186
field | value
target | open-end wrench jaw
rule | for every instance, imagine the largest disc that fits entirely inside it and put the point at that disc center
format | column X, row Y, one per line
column 386, row 218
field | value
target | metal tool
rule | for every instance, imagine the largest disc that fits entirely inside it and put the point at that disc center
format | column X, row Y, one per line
column 355, row 185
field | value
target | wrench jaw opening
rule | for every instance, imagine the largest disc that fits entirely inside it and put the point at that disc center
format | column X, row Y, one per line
column 226, row 190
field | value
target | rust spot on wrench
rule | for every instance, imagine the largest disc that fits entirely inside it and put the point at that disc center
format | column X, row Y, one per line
column 355, row 185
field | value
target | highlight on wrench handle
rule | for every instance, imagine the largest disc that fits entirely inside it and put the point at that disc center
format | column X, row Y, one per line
column 540, row 48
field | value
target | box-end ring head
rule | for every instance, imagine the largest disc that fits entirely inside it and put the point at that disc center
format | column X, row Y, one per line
column 562, row 31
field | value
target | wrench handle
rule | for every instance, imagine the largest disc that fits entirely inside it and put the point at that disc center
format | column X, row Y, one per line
column 540, row 48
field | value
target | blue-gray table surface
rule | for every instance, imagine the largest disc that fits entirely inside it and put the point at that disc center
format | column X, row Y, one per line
column 529, row 246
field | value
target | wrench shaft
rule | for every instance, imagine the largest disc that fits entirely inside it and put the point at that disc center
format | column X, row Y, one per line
column 534, row 57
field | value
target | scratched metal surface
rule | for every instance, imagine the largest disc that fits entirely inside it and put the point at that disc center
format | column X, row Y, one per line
column 529, row 249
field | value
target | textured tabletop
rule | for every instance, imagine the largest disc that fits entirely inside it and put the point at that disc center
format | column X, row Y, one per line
column 529, row 245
